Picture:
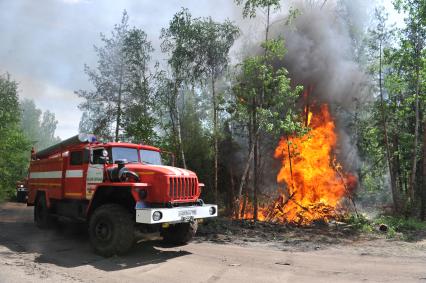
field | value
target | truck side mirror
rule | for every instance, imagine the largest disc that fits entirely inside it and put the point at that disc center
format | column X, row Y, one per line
column 103, row 160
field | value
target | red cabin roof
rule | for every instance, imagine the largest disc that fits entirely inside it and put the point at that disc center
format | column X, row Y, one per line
column 131, row 145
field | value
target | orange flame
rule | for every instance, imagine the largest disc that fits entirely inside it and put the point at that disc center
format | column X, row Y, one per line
column 314, row 183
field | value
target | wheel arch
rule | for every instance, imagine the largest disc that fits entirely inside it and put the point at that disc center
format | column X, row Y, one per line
column 110, row 194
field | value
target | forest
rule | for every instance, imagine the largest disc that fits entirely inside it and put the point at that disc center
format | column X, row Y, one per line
column 316, row 114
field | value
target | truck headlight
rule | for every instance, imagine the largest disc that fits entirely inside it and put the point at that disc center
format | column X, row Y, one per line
column 157, row 215
column 212, row 210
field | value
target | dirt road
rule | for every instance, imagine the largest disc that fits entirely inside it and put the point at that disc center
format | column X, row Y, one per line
column 28, row 254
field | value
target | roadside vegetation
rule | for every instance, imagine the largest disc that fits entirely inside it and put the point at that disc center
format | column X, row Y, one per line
column 223, row 118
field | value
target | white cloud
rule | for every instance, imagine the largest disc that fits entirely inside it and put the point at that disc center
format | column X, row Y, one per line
column 45, row 45
column 72, row 1
column 62, row 102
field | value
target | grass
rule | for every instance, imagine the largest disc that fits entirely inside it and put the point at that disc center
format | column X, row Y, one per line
column 360, row 222
column 401, row 224
column 407, row 228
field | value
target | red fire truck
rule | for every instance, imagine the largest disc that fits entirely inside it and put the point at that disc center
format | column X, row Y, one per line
column 115, row 188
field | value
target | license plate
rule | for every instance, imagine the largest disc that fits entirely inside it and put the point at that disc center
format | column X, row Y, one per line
column 189, row 212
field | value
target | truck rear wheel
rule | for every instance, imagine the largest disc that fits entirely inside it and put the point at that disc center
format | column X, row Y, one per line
column 179, row 234
column 42, row 217
column 111, row 230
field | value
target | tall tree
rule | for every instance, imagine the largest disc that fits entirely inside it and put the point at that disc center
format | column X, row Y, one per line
column 47, row 130
column 277, row 114
column 414, row 42
column 139, row 120
column 213, row 42
column 30, row 121
column 120, row 82
column 380, row 36
column 38, row 127
column 178, row 41
column 14, row 147
column 250, row 8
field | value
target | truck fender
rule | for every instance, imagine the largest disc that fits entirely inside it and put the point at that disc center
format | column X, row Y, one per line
column 97, row 195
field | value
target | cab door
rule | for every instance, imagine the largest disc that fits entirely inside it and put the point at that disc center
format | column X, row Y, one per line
column 95, row 171
column 74, row 179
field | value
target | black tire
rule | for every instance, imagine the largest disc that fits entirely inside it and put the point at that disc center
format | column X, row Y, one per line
column 179, row 234
column 111, row 230
column 42, row 217
column 20, row 196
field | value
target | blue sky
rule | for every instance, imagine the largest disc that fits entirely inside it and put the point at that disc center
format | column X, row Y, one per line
column 45, row 44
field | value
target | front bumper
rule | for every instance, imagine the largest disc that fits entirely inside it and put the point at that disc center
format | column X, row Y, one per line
column 176, row 214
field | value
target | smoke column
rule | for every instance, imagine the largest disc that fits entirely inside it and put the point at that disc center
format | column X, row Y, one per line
column 321, row 54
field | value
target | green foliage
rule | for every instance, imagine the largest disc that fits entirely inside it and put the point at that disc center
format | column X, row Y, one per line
column 178, row 42
column 407, row 227
column 396, row 62
column 401, row 224
column 14, row 147
column 250, row 6
column 197, row 143
column 260, row 80
column 212, row 42
column 121, row 102
column 360, row 222
column 139, row 116
column 39, row 128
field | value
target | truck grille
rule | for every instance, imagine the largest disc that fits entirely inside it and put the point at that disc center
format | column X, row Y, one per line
column 182, row 188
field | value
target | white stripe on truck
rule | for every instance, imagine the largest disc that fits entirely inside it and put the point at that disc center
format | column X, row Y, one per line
column 45, row 175
column 56, row 174
column 74, row 174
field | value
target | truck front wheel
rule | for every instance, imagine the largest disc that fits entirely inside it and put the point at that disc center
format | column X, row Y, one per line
column 179, row 234
column 111, row 230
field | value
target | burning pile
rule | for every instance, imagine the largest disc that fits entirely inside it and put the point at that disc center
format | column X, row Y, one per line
column 314, row 183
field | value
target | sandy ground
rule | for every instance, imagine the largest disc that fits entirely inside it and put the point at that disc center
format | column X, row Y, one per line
column 28, row 254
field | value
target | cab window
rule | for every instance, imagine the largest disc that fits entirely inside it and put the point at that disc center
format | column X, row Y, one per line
column 130, row 154
column 96, row 155
column 76, row 158
column 150, row 157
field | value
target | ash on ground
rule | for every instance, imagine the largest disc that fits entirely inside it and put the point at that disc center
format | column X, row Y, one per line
column 282, row 236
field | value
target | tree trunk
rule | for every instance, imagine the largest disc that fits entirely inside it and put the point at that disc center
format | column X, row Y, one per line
column 248, row 162
column 243, row 208
column 232, row 192
column 179, row 133
column 117, row 126
column 412, row 183
column 255, row 160
column 178, row 126
column 244, row 176
column 395, row 193
column 423, row 209
column 215, row 138
column 256, row 141
column 246, row 195
column 255, row 179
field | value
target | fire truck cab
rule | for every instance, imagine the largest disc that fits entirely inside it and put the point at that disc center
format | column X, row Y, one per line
column 115, row 188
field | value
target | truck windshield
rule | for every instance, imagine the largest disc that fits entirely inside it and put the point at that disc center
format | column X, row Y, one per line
column 130, row 154
column 150, row 157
